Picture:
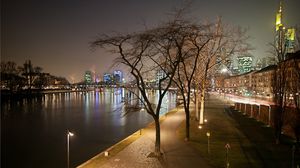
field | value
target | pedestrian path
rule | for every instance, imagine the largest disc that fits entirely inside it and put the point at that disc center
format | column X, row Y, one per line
column 176, row 153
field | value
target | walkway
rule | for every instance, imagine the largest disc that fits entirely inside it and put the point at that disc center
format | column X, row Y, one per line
column 176, row 153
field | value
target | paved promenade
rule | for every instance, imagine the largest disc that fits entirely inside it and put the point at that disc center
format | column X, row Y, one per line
column 176, row 153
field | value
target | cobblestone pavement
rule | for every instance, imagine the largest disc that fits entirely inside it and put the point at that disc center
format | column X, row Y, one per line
column 176, row 153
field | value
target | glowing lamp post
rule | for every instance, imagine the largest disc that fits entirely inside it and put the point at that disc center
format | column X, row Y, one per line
column 227, row 146
column 69, row 134
column 208, row 135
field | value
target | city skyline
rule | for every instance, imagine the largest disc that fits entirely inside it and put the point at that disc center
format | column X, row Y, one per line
column 55, row 35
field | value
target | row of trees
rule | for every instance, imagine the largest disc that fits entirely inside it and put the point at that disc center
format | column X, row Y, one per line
column 186, row 51
column 27, row 76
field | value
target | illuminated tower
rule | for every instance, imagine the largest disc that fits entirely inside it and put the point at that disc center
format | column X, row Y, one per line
column 290, row 36
column 279, row 38
column 285, row 38
column 279, row 25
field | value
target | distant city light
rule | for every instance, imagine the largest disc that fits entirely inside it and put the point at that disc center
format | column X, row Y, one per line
column 224, row 70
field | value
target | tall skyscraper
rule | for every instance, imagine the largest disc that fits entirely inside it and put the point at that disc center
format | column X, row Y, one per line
column 285, row 38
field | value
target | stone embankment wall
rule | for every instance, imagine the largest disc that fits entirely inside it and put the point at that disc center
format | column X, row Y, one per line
column 266, row 114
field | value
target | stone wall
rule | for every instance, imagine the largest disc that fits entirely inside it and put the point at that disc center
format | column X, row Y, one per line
column 266, row 115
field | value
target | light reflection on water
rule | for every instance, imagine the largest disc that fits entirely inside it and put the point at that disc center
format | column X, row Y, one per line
column 33, row 130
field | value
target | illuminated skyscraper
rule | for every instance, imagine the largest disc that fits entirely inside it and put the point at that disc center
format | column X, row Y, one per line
column 245, row 63
column 88, row 79
column 107, row 78
column 285, row 37
column 118, row 76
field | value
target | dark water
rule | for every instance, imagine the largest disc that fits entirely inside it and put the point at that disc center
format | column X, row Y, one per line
column 33, row 131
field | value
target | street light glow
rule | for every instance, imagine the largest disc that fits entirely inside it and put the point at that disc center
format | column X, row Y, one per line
column 70, row 134
column 224, row 70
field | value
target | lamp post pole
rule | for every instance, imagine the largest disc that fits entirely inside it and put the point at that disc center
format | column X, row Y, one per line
column 69, row 134
column 208, row 148
column 227, row 146
column 293, row 156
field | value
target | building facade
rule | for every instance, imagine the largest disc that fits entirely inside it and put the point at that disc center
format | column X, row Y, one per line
column 259, row 83
column 107, row 78
column 88, row 77
column 245, row 63
column 118, row 76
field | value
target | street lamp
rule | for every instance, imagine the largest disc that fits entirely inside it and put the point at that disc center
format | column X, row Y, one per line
column 208, row 135
column 227, row 146
column 69, row 134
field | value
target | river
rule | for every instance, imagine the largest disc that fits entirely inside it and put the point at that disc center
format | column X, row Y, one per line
column 33, row 131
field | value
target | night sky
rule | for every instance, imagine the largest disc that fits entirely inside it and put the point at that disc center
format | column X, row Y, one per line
column 55, row 34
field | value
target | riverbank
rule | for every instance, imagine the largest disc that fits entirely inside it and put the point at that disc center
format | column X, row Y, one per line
column 139, row 152
column 104, row 156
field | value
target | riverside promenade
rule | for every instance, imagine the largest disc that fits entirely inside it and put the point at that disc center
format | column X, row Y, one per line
column 251, row 143
column 176, row 153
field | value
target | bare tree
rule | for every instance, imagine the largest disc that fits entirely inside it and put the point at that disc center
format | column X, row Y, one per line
column 198, row 46
column 144, row 53
column 294, row 89
column 225, row 42
column 190, row 43
column 279, row 84
column 10, row 76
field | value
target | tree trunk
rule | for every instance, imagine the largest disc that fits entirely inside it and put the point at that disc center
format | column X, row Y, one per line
column 278, row 125
column 157, row 136
column 201, row 117
column 196, row 105
column 277, row 138
column 187, row 124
